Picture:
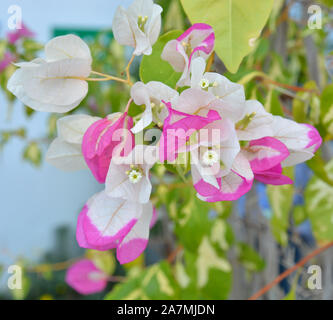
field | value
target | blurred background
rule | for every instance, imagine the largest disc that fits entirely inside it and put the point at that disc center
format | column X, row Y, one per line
column 40, row 204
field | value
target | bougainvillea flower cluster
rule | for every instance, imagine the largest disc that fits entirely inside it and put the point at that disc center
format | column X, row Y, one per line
column 230, row 141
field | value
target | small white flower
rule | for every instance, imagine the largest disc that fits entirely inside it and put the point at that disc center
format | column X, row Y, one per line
column 210, row 157
column 128, row 177
column 134, row 175
column 204, row 83
column 139, row 26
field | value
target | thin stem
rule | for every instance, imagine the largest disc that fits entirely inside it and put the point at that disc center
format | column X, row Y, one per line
column 106, row 78
column 65, row 265
column 287, row 86
column 127, row 70
column 54, row 266
column 128, row 104
column 172, row 256
column 290, row 270
column 116, row 278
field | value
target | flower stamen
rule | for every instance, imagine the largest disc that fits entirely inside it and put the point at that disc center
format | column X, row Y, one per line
column 204, row 83
column 141, row 22
column 134, row 175
column 210, row 157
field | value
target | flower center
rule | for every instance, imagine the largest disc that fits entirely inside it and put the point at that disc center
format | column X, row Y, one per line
column 204, row 83
column 210, row 157
column 134, row 175
column 141, row 22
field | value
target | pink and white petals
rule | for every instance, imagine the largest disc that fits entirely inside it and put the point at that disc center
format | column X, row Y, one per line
column 197, row 41
column 178, row 127
column 242, row 167
column 265, row 156
column 273, row 176
column 139, row 26
column 231, row 187
column 56, row 84
column 315, row 139
column 136, row 240
column 302, row 140
column 151, row 95
column 154, row 218
column 221, row 133
column 65, row 151
column 106, row 221
column 104, row 139
column 160, row 92
column 265, row 153
column 85, row 278
column 128, row 177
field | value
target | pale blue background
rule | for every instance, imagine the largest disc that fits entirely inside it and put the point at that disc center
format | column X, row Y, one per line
column 35, row 201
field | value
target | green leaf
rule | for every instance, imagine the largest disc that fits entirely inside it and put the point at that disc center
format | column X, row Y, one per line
column 129, row 290
column 153, row 68
column 249, row 258
column 159, row 283
column 236, row 23
column 306, row 104
column 328, row 3
column 193, row 215
column 300, row 107
column 319, row 204
column 208, row 272
column 317, row 165
column 156, row 282
column 273, row 104
column 281, row 200
column 174, row 18
column 326, row 108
